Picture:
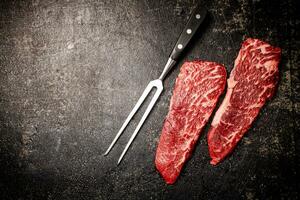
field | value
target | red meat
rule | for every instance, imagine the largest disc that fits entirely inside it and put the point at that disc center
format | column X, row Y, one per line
column 252, row 82
column 197, row 89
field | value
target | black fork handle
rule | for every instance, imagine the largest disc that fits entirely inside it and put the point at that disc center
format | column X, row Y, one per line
column 189, row 31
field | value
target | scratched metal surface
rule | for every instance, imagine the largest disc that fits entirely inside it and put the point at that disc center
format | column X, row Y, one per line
column 70, row 71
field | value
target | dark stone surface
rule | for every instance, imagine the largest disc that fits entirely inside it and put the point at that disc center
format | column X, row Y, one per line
column 70, row 72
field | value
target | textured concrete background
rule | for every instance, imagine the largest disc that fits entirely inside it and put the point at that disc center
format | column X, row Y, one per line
column 70, row 72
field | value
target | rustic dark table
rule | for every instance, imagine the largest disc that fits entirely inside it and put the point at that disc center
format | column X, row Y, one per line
column 70, row 72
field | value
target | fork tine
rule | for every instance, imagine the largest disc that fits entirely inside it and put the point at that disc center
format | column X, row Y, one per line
column 136, row 107
column 148, row 110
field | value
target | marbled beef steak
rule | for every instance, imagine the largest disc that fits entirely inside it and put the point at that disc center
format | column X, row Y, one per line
column 196, row 92
column 252, row 82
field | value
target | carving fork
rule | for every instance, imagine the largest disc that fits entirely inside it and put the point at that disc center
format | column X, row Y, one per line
column 193, row 24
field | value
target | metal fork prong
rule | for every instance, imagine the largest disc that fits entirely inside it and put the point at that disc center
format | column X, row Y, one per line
column 136, row 107
column 148, row 110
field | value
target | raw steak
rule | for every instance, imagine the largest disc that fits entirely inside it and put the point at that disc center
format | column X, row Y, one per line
column 252, row 81
column 197, row 89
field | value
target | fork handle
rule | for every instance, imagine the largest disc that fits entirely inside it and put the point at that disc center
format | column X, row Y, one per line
column 188, row 32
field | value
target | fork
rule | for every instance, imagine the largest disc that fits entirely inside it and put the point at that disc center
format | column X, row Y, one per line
column 186, row 35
